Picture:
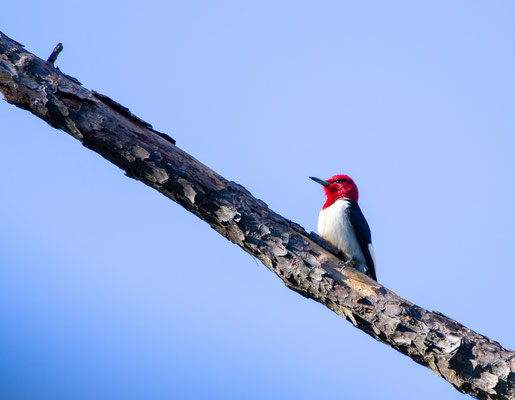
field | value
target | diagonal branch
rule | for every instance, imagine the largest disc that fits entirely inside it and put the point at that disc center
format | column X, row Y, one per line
column 472, row 363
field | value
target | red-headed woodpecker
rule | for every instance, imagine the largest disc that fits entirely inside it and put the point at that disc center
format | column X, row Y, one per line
column 342, row 223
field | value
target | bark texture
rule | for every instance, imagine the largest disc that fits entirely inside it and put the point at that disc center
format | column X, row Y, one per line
column 472, row 363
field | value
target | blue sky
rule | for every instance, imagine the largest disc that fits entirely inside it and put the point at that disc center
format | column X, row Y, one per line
column 109, row 290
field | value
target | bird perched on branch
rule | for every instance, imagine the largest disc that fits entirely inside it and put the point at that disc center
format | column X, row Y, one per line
column 342, row 223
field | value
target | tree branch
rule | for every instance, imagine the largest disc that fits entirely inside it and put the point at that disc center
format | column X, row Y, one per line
column 472, row 363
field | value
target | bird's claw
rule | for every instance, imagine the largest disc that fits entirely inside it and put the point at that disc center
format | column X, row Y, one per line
column 350, row 263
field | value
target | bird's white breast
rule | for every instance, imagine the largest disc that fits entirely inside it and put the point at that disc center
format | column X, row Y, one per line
column 335, row 227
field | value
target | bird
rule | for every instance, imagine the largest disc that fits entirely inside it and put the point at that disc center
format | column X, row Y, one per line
column 342, row 224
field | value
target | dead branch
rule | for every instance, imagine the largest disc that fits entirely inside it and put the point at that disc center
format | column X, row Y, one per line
column 472, row 363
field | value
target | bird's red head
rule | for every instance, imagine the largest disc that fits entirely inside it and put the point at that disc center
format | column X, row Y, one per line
column 338, row 187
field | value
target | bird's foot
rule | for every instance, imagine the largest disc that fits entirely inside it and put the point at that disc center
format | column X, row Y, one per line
column 353, row 264
column 345, row 264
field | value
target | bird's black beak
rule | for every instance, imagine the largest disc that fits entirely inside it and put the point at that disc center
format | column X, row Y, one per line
column 323, row 183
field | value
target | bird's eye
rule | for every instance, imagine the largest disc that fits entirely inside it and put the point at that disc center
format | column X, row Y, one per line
column 338, row 181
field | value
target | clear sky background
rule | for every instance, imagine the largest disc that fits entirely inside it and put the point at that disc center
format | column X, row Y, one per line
column 108, row 290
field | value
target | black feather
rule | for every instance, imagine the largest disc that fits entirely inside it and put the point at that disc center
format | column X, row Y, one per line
column 362, row 231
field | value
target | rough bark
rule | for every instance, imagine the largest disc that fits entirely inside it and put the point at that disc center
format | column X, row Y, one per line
column 472, row 363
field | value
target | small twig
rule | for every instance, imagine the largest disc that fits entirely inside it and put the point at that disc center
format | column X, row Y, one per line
column 55, row 53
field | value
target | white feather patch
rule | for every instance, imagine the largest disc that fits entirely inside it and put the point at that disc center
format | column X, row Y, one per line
column 335, row 227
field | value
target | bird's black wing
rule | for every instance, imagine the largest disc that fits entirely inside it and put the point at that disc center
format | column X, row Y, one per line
column 362, row 231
